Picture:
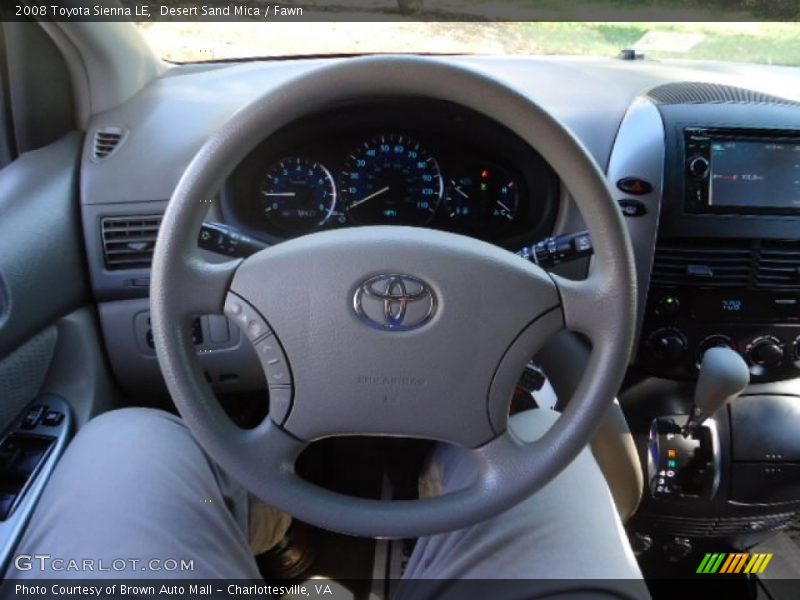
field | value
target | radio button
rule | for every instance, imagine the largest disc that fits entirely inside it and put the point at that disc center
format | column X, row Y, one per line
column 698, row 166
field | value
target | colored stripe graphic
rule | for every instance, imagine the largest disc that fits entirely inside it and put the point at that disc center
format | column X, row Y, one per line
column 715, row 562
column 703, row 563
column 727, row 564
column 758, row 563
column 741, row 562
column 736, row 562
column 767, row 558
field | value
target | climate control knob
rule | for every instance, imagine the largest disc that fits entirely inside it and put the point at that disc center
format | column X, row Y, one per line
column 666, row 345
column 713, row 341
column 765, row 352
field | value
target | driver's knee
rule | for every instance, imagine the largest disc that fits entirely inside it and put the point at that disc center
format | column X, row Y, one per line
column 143, row 452
column 126, row 423
column 150, row 453
column 133, row 439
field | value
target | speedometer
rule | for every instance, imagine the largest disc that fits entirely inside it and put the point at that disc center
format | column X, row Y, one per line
column 391, row 179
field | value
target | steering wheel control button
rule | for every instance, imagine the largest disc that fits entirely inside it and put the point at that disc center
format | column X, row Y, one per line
column 632, row 208
column 273, row 361
column 246, row 317
column 234, row 309
column 256, row 329
column 634, row 186
column 395, row 302
column 280, row 401
column 267, row 347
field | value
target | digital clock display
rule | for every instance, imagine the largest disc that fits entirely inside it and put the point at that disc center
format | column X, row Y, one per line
column 732, row 304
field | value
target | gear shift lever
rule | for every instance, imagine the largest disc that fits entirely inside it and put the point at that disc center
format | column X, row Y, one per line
column 723, row 376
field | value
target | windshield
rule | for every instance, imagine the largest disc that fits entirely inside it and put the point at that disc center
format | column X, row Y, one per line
column 748, row 42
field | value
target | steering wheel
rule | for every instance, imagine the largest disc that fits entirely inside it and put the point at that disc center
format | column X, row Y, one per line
column 392, row 331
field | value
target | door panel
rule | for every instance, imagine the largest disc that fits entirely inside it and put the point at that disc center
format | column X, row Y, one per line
column 42, row 267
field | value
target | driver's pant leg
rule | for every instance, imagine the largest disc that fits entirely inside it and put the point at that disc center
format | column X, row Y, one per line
column 135, row 485
column 569, row 530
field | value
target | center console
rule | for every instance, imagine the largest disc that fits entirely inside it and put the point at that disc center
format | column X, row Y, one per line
column 736, row 284
column 725, row 272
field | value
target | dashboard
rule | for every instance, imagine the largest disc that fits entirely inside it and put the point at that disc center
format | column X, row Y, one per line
column 704, row 170
column 415, row 161
column 393, row 162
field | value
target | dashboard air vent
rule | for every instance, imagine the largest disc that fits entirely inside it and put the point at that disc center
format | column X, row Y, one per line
column 779, row 264
column 702, row 263
column 128, row 242
column 107, row 140
column 698, row 92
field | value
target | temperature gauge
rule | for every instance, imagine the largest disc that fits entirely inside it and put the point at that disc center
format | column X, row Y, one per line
column 485, row 199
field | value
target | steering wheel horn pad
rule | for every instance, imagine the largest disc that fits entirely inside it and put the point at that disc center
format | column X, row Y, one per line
column 431, row 381
column 394, row 331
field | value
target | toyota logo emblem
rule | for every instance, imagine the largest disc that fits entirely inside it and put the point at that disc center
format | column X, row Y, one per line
column 395, row 302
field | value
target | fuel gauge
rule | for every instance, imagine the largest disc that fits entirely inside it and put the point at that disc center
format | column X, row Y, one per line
column 462, row 204
column 484, row 200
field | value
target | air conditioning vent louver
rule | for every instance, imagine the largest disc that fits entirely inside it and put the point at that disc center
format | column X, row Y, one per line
column 107, row 141
column 719, row 526
column 779, row 264
column 702, row 263
column 128, row 242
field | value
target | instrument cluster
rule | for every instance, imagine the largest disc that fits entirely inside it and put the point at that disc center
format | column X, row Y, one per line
column 462, row 174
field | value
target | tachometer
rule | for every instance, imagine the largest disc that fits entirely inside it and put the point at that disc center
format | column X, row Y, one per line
column 297, row 194
column 391, row 179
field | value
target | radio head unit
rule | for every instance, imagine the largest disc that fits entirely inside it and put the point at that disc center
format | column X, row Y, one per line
column 741, row 171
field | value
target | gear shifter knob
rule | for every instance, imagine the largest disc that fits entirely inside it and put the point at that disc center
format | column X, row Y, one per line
column 723, row 376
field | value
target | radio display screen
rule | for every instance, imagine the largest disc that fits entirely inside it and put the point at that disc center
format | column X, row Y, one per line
column 754, row 174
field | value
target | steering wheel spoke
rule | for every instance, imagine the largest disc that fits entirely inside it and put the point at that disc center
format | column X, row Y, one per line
column 205, row 284
column 588, row 304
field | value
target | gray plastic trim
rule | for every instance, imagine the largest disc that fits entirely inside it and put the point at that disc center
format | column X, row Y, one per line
column 109, row 62
column 639, row 152
column 79, row 371
column 135, row 366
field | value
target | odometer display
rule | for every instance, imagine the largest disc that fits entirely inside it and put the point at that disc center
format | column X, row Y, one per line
column 391, row 179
